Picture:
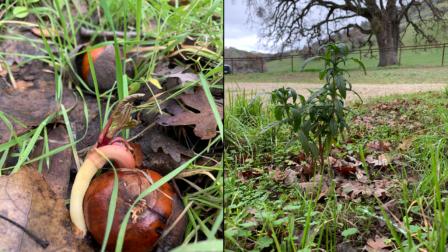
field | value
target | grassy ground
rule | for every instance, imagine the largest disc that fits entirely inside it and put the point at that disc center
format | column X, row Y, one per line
column 392, row 75
column 265, row 213
column 377, row 83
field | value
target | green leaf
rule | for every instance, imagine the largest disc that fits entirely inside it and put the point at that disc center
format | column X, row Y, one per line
column 334, row 128
column 320, row 130
column 339, row 108
column 249, row 224
column 293, row 94
column 322, row 46
column 344, row 126
column 361, row 64
column 327, row 77
column 203, row 246
column 310, row 59
column 302, row 99
column 316, row 94
column 258, row 95
column 304, row 108
column 312, row 113
column 303, row 140
column 290, row 142
column 323, row 73
column 297, row 118
column 327, row 145
column 356, row 93
column 20, row 11
column 272, row 124
column 265, row 242
column 349, row 231
column 350, row 85
column 343, row 48
column 314, row 149
column 339, row 80
column 278, row 112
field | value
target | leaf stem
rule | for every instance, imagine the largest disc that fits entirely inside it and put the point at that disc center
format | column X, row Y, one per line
column 38, row 240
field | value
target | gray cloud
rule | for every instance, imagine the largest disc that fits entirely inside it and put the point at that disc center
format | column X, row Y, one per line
column 236, row 32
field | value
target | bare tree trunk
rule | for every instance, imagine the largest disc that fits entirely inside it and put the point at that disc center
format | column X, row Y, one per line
column 387, row 34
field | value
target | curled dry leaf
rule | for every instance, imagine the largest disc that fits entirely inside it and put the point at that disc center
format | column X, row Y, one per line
column 184, row 77
column 29, row 201
column 378, row 146
column 138, row 155
column 279, row 175
column 46, row 32
column 378, row 245
column 357, row 189
column 205, row 121
column 57, row 175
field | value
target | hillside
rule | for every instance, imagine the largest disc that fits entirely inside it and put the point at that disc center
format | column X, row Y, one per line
column 244, row 67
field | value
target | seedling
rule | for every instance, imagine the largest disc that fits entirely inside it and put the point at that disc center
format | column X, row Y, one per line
column 319, row 120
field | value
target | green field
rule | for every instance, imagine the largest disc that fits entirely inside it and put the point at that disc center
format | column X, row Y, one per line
column 389, row 75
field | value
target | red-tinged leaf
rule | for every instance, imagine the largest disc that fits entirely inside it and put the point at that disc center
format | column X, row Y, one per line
column 279, row 175
column 345, row 171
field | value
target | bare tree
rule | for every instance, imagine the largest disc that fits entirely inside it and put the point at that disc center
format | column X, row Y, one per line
column 283, row 23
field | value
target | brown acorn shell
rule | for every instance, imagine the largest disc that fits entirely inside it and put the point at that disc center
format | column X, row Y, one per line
column 104, row 68
column 149, row 223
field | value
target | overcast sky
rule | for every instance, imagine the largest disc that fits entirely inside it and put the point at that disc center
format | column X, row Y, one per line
column 236, row 33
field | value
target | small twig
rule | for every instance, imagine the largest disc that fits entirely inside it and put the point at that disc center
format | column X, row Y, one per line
column 176, row 188
column 38, row 240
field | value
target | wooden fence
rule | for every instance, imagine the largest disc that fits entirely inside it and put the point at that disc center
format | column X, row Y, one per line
column 262, row 60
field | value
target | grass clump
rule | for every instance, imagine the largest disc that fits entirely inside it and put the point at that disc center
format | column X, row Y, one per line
column 265, row 209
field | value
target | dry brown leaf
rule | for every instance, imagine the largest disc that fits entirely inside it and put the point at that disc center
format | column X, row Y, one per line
column 169, row 146
column 378, row 245
column 406, row 143
column 23, row 47
column 279, row 175
column 205, row 121
column 29, row 201
column 32, row 105
column 291, row 177
column 58, row 175
column 184, row 77
column 378, row 146
column 361, row 189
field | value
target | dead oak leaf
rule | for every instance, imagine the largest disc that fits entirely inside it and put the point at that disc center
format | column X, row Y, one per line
column 205, row 121
column 184, row 77
column 378, row 146
column 378, row 245
column 279, row 176
column 26, row 199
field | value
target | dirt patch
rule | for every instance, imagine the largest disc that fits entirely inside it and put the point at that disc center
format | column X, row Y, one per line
column 366, row 91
